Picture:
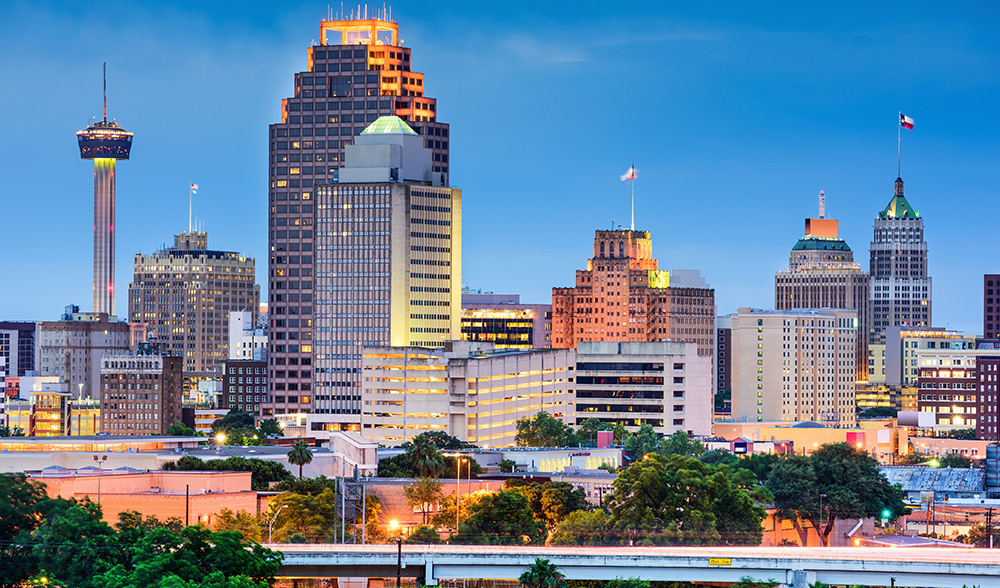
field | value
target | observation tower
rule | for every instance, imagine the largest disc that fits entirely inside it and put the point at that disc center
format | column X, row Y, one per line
column 105, row 143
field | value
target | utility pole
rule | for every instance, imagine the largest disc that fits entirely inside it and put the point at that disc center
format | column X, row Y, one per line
column 989, row 526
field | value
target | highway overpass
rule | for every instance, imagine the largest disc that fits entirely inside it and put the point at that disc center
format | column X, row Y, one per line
column 929, row 567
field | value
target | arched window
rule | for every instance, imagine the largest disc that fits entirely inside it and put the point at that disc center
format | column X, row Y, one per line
column 621, row 249
column 602, row 248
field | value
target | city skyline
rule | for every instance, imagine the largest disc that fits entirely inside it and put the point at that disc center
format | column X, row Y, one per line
column 706, row 94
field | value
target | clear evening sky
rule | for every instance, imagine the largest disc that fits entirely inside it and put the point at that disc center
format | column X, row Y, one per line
column 737, row 115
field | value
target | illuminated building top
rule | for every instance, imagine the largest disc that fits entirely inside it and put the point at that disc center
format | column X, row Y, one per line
column 367, row 31
column 104, row 140
column 898, row 207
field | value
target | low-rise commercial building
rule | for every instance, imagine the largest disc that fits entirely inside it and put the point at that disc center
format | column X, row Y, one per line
column 501, row 319
column 472, row 391
column 665, row 384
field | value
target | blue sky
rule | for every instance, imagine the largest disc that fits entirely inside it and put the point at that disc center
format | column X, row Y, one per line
column 737, row 115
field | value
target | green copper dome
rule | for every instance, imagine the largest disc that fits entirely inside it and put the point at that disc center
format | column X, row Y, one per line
column 388, row 125
column 820, row 244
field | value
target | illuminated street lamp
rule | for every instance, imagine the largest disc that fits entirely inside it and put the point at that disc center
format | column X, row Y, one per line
column 270, row 526
column 220, row 439
column 100, row 470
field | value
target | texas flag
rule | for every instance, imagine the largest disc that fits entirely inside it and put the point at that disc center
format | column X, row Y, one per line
column 905, row 121
column 630, row 175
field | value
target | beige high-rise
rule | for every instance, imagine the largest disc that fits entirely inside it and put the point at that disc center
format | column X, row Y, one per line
column 184, row 294
column 793, row 365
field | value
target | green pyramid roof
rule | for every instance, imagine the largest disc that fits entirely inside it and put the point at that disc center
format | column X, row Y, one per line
column 898, row 207
column 389, row 124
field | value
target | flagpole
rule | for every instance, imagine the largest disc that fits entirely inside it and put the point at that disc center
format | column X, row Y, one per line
column 190, row 196
column 633, row 193
column 899, row 143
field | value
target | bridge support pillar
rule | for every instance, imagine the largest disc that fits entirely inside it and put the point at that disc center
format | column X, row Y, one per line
column 429, row 579
column 800, row 579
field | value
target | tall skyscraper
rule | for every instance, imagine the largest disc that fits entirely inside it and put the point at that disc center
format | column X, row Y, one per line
column 105, row 143
column 900, row 292
column 388, row 258
column 622, row 296
column 184, row 294
column 822, row 273
column 358, row 72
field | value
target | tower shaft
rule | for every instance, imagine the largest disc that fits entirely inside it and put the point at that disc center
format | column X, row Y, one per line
column 104, row 235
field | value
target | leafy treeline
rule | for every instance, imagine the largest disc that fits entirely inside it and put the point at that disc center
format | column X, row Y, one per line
column 65, row 543
column 424, row 457
column 262, row 472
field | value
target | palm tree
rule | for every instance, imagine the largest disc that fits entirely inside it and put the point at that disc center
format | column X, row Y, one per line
column 300, row 455
column 542, row 574
column 425, row 457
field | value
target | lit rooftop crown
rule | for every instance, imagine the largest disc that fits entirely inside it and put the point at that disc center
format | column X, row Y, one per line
column 388, row 125
column 104, row 140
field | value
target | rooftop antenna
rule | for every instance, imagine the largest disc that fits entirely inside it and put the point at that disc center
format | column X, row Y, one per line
column 822, row 204
column 105, row 91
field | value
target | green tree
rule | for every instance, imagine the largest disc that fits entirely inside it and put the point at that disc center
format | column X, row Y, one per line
column 180, row 430
column 315, row 516
column 677, row 500
column 269, row 428
column 878, row 412
column 6, row 431
column 424, row 457
column 962, row 434
column 445, row 516
column 300, row 455
column 643, row 442
column 235, row 419
column 850, row 479
column 424, row 535
column 587, row 431
column 508, row 466
column 551, row 502
column 262, row 472
column 22, row 503
column 75, row 545
column 977, row 536
column 681, row 444
column 544, row 430
column 501, row 518
column 423, row 493
column 444, row 441
column 586, row 527
column 246, row 524
column 955, row 460
column 628, row 583
column 542, row 574
column 306, row 485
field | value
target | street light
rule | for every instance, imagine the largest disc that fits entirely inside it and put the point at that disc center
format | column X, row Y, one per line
column 220, row 439
column 820, row 529
column 270, row 526
column 100, row 470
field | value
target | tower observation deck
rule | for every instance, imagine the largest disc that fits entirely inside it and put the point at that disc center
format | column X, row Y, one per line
column 105, row 143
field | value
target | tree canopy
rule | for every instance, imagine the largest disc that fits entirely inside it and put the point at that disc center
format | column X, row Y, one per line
column 542, row 574
column 501, row 518
column 262, row 472
column 68, row 541
column 849, row 480
column 878, row 412
column 300, row 455
column 423, row 494
column 544, row 430
column 681, row 500
column 422, row 458
column 550, row 502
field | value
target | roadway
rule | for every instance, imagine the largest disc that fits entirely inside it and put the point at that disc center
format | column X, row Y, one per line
column 930, row 567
